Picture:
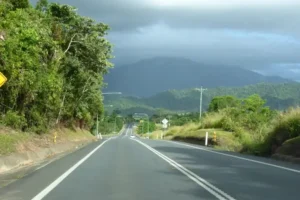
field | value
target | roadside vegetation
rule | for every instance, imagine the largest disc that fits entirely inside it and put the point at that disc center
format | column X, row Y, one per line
column 242, row 125
column 54, row 60
column 278, row 96
column 16, row 141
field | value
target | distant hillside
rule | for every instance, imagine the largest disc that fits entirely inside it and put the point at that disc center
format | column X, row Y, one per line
column 151, row 76
column 278, row 96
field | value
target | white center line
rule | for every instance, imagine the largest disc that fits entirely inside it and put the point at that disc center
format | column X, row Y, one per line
column 219, row 194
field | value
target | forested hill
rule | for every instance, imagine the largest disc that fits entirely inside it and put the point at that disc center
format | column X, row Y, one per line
column 151, row 76
column 278, row 96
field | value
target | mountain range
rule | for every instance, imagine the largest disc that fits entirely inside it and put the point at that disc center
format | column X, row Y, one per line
column 151, row 76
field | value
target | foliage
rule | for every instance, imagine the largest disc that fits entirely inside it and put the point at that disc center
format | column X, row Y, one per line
column 221, row 102
column 214, row 119
column 54, row 60
column 277, row 96
column 14, row 120
column 108, row 124
column 286, row 127
column 143, row 127
column 250, row 126
column 19, row 3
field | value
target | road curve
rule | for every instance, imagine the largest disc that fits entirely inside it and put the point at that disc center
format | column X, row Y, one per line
column 129, row 168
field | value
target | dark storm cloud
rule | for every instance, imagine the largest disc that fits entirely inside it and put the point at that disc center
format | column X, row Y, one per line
column 256, row 34
column 132, row 14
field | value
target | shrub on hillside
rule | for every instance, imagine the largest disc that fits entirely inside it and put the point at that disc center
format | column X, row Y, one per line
column 14, row 120
column 213, row 119
column 220, row 102
column 287, row 127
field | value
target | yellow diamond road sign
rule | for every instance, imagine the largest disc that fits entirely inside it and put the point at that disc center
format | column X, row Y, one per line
column 3, row 79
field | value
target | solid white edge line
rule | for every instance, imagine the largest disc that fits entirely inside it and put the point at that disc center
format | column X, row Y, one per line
column 237, row 157
column 55, row 183
column 200, row 181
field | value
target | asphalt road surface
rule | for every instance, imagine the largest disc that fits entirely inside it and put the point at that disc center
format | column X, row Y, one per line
column 127, row 168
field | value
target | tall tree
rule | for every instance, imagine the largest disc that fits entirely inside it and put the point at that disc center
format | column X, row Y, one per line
column 42, row 5
column 54, row 60
column 20, row 3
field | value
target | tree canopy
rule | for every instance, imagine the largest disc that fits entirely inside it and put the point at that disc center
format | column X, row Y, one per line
column 221, row 102
column 54, row 60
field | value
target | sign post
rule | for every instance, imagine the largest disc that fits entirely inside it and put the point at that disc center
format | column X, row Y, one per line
column 3, row 79
column 164, row 126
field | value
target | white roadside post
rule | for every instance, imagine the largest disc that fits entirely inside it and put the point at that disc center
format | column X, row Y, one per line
column 165, row 126
column 99, row 136
column 97, row 128
column 206, row 138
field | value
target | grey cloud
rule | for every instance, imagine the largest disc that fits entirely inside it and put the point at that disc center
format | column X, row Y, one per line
column 209, row 46
column 254, row 37
column 291, row 71
column 132, row 14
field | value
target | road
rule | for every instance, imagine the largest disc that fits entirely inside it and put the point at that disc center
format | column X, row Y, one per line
column 125, row 168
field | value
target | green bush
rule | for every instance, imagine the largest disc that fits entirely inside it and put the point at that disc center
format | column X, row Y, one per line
column 49, row 81
column 14, row 120
column 213, row 120
column 220, row 102
column 287, row 127
column 228, row 124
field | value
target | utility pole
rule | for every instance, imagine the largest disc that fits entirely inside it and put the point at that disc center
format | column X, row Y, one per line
column 200, row 106
column 115, row 125
column 148, row 127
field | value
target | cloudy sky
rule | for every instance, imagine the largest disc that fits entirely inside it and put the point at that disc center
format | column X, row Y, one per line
column 263, row 35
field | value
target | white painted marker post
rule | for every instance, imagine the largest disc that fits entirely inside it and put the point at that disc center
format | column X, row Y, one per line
column 206, row 138
column 164, row 126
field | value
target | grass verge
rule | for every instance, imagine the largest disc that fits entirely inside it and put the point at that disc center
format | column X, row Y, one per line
column 192, row 133
column 12, row 141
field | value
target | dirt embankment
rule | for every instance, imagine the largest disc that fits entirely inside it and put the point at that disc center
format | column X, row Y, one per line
column 19, row 149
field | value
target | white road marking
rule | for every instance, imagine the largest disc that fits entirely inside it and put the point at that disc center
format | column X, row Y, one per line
column 219, row 194
column 55, row 183
column 120, row 135
column 238, row 157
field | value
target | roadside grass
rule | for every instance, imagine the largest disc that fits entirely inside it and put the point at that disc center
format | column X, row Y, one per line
column 192, row 133
column 225, row 140
column 12, row 141
column 284, row 135
column 213, row 120
column 76, row 134
column 10, row 138
column 290, row 147
column 280, row 135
